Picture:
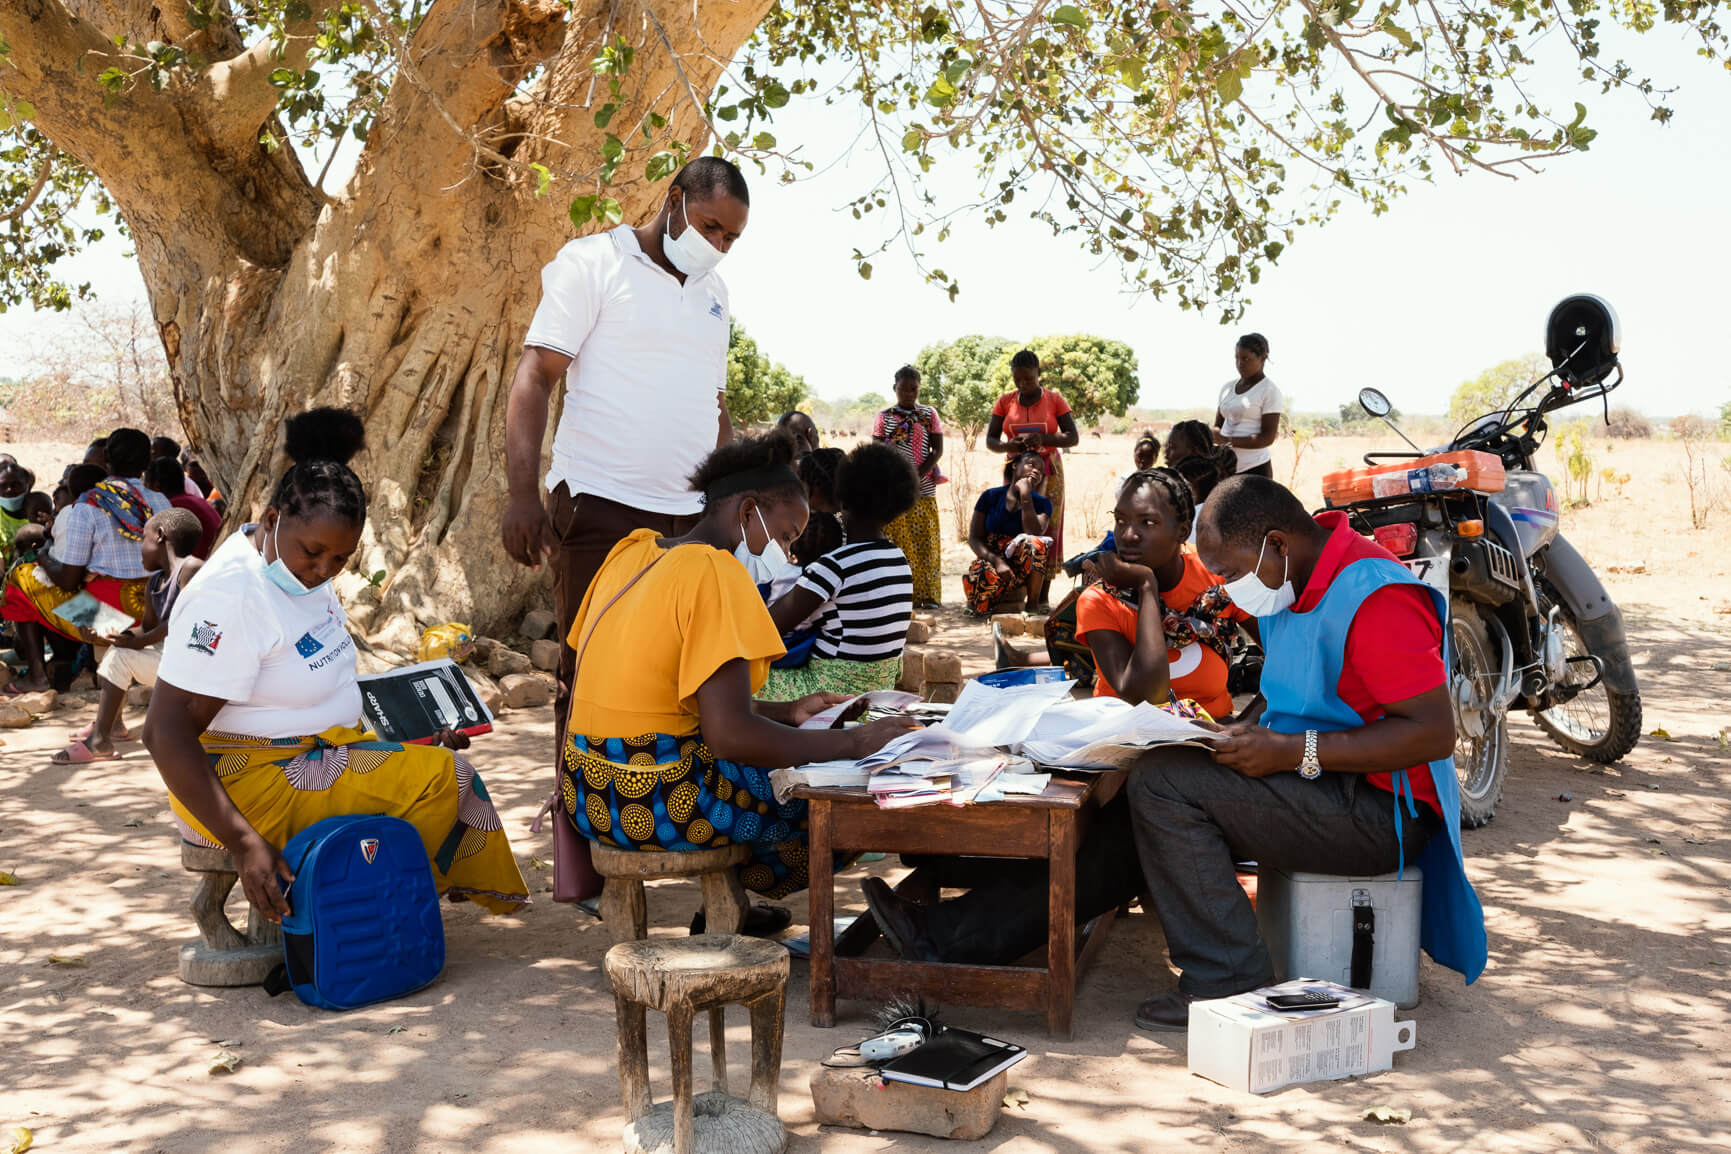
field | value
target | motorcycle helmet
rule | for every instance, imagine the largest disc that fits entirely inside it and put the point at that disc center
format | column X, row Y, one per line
column 1582, row 339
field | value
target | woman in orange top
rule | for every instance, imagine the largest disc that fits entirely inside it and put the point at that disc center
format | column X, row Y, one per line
column 1036, row 419
column 1158, row 621
column 665, row 748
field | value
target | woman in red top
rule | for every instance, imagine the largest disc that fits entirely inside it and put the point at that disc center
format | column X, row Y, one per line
column 1158, row 621
column 1037, row 419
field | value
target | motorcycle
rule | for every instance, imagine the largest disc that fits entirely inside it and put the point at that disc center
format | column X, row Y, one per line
column 1530, row 624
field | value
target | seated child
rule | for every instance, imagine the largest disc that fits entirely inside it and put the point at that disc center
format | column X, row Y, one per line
column 822, row 535
column 132, row 658
column 863, row 591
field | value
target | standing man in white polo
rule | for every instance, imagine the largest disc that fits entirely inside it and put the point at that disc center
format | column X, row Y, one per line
column 635, row 321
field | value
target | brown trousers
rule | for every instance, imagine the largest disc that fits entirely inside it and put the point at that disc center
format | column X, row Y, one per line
column 587, row 527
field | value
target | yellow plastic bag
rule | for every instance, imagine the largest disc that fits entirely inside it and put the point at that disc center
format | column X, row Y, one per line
column 448, row 640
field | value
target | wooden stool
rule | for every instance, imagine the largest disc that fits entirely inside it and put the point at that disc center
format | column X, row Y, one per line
column 222, row 955
column 622, row 903
column 680, row 976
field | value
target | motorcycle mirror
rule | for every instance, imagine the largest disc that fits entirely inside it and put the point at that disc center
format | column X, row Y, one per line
column 1373, row 402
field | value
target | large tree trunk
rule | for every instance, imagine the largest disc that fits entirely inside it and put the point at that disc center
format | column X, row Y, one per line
column 405, row 296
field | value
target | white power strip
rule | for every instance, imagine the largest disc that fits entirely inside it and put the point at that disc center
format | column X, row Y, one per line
column 891, row 1045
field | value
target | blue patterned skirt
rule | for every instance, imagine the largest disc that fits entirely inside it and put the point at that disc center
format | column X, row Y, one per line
column 672, row 793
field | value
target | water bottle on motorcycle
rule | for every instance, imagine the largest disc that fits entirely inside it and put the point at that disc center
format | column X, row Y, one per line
column 1426, row 479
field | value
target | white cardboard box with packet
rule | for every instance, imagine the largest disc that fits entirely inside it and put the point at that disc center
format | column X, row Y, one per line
column 1246, row 1044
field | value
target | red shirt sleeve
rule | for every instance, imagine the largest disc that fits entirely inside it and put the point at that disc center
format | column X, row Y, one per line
column 1002, row 408
column 1059, row 405
column 1394, row 648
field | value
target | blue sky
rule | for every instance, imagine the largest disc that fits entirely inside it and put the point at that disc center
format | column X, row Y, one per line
column 1459, row 275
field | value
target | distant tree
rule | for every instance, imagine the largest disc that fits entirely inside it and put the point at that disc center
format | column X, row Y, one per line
column 1626, row 424
column 1352, row 414
column 758, row 389
column 1095, row 375
column 1725, row 420
column 956, row 380
column 1495, row 387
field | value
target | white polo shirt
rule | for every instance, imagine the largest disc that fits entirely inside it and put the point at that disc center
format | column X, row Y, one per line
column 649, row 356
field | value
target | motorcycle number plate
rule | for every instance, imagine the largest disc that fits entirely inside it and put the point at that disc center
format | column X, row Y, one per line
column 1433, row 571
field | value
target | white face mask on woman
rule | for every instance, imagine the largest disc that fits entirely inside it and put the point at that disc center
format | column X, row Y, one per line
column 765, row 566
column 690, row 251
column 1257, row 599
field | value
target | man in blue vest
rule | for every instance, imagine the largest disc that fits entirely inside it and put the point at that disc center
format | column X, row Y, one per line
column 1343, row 767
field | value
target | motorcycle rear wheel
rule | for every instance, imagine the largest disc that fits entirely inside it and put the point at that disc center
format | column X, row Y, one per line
column 1599, row 724
column 1481, row 736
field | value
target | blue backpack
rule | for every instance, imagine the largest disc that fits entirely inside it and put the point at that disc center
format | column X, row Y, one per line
column 365, row 925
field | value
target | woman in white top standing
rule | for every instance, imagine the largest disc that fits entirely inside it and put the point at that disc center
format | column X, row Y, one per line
column 1248, row 417
column 254, row 724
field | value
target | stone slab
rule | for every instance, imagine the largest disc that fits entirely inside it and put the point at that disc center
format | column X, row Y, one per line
column 858, row 1097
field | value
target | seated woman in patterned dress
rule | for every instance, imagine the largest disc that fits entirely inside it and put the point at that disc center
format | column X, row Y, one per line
column 1008, row 537
column 254, row 723
column 665, row 748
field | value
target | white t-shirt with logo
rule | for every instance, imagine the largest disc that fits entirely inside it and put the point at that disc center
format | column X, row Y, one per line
column 649, row 359
column 1244, row 413
column 285, row 665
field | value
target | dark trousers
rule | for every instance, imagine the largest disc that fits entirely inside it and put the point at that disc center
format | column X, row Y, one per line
column 1003, row 914
column 1266, row 469
column 1194, row 819
column 1175, row 836
column 588, row 527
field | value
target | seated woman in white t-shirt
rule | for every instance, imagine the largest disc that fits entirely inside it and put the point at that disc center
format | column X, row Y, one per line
column 1248, row 416
column 254, row 720
column 863, row 591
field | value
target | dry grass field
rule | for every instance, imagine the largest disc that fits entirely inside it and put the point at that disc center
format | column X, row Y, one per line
column 1601, row 1023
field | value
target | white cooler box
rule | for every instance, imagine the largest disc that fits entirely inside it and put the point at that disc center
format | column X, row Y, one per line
column 1314, row 923
column 1244, row 1044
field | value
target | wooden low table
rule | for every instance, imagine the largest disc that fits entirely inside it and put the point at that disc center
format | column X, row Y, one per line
column 1049, row 826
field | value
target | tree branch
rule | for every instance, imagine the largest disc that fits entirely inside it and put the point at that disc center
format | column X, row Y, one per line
column 238, row 91
column 43, row 172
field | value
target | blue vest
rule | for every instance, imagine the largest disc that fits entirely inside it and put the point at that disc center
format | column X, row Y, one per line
column 1300, row 681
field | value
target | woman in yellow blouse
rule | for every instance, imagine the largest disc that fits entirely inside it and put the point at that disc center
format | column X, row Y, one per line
column 665, row 746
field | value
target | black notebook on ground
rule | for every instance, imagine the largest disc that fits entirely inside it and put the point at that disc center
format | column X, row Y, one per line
column 954, row 1060
column 410, row 705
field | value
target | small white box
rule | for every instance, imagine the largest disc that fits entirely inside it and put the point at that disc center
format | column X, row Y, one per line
column 1306, row 922
column 1245, row 1044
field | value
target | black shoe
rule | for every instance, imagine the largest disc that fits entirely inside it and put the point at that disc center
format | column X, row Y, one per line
column 1168, row 1012
column 903, row 923
column 761, row 920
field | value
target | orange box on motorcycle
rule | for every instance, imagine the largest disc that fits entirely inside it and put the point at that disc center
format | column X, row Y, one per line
column 1470, row 469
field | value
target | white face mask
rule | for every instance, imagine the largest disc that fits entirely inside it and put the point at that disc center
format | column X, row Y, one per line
column 1257, row 599
column 690, row 251
column 766, row 566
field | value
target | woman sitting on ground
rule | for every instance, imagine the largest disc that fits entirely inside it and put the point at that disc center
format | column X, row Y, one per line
column 170, row 540
column 1157, row 622
column 1008, row 537
column 254, row 721
column 863, row 590
column 665, row 748
column 95, row 550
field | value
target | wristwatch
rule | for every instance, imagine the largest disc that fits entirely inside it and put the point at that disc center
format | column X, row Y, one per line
column 1310, row 769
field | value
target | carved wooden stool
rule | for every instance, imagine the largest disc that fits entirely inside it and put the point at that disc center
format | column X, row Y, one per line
column 222, row 955
column 622, row 903
column 680, row 976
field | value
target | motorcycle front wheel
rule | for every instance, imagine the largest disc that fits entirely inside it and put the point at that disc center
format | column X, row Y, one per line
column 1481, row 733
column 1597, row 724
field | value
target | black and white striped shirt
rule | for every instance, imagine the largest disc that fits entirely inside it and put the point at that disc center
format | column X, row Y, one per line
column 868, row 597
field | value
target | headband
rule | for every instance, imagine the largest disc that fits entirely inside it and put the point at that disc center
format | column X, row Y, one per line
column 1147, row 439
column 762, row 477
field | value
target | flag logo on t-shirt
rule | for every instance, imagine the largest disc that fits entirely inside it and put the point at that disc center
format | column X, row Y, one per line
column 715, row 309
column 205, row 638
column 308, row 645
column 369, row 848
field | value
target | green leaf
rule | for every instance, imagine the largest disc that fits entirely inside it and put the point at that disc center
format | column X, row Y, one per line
column 775, row 96
column 727, row 112
column 763, row 140
column 912, row 139
column 865, row 270
column 612, row 148
column 1070, row 15
column 282, row 77
column 604, row 115
column 609, row 210
column 24, row 109
column 582, row 210
column 1229, row 86
column 543, row 179
column 660, row 166
column 5, row 120
column 1399, row 35
column 942, row 93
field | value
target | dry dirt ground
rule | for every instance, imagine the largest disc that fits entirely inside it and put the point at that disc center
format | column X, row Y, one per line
column 1601, row 1023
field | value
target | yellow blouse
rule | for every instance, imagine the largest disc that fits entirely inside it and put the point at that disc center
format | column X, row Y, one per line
column 690, row 615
